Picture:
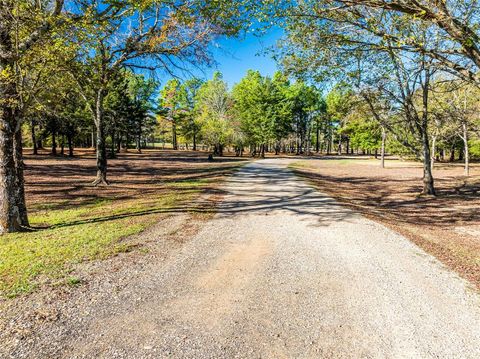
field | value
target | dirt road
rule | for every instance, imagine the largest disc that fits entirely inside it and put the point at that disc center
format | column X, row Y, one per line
column 283, row 272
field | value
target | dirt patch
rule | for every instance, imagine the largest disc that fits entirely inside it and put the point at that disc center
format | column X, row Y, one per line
column 447, row 226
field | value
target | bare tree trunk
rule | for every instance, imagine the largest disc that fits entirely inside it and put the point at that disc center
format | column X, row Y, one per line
column 434, row 150
column 384, row 139
column 101, row 143
column 466, row 149
column 428, row 181
column 93, row 135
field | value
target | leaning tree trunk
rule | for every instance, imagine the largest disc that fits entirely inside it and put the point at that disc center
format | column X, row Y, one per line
column 101, row 149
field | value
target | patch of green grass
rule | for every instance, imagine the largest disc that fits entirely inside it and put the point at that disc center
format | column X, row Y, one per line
column 77, row 234
column 74, row 281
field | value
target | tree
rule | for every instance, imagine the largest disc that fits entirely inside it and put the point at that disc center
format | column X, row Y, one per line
column 214, row 106
column 24, row 26
column 170, row 105
column 255, row 102
column 187, row 96
column 338, row 106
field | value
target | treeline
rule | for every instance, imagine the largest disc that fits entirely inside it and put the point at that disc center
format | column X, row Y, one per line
column 258, row 115
column 65, row 123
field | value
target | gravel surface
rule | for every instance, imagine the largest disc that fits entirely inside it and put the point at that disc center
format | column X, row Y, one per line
column 281, row 272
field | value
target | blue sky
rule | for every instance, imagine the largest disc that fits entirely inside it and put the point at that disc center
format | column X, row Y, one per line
column 236, row 56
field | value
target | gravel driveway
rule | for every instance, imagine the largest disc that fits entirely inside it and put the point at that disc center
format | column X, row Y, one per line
column 281, row 272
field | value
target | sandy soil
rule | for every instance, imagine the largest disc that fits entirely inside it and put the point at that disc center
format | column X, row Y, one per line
column 282, row 271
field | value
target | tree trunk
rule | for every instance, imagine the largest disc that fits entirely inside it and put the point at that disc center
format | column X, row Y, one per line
column 34, row 138
column 54, row 144
column 461, row 155
column 93, row 135
column 10, row 220
column 428, row 181
column 20, row 166
column 434, row 150
column 384, row 140
column 262, row 151
column 466, row 149
column 113, row 151
column 39, row 138
column 194, row 140
column 452, row 154
column 101, row 143
column 174, row 136
column 70, row 145
column 119, row 144
column 62, row 146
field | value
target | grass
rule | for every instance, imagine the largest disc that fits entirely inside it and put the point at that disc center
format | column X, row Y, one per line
column 76, row 234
